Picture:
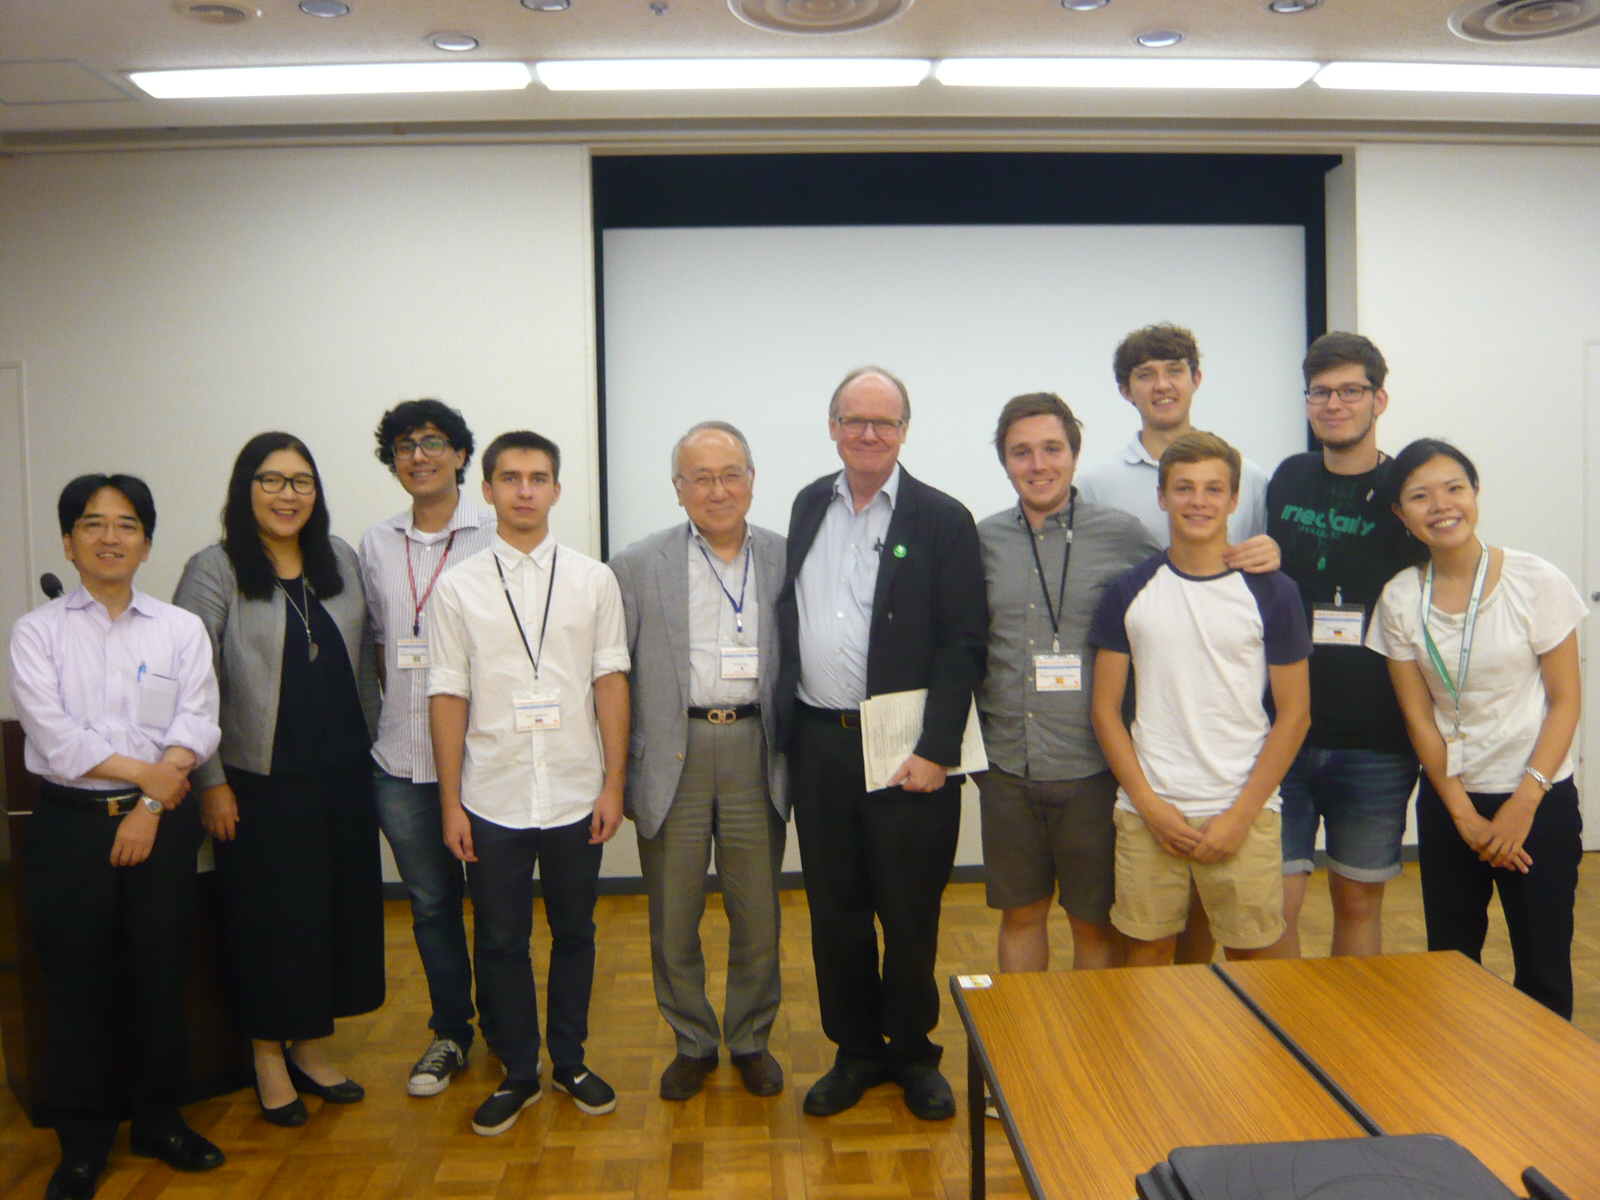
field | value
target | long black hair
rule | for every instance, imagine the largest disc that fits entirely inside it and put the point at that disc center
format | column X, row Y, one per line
column 241, row 537
column 1419, row 452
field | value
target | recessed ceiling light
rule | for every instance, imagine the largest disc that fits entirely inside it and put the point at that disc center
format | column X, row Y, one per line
column 1523, row 20
column 1084, row 5
column 1247, row 73
column 1157, row 39
column 547, row 5
column 456, row 43
column 1292, row 6
column 1461, row 77
column 345, row 80
column 324, row 8
column 706, row 74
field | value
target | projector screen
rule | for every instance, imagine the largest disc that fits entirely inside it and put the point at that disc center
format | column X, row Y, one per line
column 757, row 325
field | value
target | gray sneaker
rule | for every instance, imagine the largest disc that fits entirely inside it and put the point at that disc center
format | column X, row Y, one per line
column 432, row 1073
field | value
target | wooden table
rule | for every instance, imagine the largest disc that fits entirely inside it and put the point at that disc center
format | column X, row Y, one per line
column 1433, row 1043
column 1100, row 1074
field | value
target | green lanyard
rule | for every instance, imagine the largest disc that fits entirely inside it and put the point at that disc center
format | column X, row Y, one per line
column 1459, row 683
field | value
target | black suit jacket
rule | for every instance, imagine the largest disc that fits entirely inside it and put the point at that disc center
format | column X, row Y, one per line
column 930, row 612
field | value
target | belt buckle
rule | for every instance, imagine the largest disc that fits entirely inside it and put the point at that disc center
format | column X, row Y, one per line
column 111, row 806
column 721, row 716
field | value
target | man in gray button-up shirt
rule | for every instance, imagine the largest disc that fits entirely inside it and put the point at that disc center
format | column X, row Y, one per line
column 1046, row 800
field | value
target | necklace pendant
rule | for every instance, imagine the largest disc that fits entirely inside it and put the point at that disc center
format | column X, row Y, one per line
column 311, row 651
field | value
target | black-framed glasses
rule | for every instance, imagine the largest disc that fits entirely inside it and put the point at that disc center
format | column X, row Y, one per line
column 431, row 444
column 1350, row 393
column 272, row 482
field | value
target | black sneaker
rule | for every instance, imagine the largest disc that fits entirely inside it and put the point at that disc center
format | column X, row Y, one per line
column 432, row 1073
column 589, row 1092
column 500, row 1111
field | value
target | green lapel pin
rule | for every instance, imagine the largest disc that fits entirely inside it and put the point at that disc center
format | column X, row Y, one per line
column 900, row 550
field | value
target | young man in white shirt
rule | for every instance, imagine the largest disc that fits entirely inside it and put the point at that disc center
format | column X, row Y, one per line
column 118, row 700
column 1198, row 804
column 427, row 445
column 528, row 701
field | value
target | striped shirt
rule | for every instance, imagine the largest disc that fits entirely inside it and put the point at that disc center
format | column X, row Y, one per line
column 404, row 748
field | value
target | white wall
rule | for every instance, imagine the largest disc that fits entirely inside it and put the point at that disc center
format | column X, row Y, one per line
column 1478, row 273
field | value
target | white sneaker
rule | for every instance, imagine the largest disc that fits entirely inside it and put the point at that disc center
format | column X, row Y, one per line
column 432, row 1073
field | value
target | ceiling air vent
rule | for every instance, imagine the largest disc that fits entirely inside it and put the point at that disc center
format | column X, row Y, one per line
column 817, row 16
column 1523, row 20
column 229, row 13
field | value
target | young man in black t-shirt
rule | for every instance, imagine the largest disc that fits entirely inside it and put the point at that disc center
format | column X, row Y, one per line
column 1341, row 544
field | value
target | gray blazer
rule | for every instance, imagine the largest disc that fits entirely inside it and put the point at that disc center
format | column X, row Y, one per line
column 654, row 575
column 247, row 650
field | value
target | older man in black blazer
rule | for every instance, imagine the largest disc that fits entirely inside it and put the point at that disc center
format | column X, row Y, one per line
column 883, row 592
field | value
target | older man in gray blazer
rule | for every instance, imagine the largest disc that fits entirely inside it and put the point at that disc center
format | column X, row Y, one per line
column 704, row 770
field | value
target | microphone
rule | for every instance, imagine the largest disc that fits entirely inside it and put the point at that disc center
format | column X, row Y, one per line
column 51, row 585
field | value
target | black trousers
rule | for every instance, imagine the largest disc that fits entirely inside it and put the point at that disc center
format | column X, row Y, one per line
column 302, row 902
column 91, row 923
column 884, row 855
column 502, row 917
column 1538, row 906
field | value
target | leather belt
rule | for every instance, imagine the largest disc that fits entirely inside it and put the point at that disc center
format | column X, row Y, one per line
column 725, row 716
column 112, row 803
column 849, row 718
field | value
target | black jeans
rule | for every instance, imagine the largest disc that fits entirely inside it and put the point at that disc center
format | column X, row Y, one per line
column 501, row 882
column 884, row 855
column 1538, row 906
column 90, row 919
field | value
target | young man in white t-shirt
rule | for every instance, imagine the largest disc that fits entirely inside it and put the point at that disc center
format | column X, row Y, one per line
column 1200, row 769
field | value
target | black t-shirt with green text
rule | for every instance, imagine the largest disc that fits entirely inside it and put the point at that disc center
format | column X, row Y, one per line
column 1339, row 538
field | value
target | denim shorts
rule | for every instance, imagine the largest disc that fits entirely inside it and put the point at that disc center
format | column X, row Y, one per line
column 1361, row 796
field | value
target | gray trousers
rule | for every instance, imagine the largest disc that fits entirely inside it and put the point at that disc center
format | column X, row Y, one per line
column 721, row 803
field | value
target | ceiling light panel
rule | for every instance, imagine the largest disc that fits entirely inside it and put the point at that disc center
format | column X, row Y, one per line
column 1460, row 77
column 1242, row 74
column 708, row 74
column 348, row 80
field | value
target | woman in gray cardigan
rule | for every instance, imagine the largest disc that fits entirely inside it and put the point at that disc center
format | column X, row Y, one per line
column 288, row 796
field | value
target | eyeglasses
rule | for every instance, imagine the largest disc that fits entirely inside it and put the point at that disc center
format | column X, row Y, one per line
column 1348, row 392
column 272, row 483
column 431, row 444
column 856, row 426
column 704, row 481
column 96, row 526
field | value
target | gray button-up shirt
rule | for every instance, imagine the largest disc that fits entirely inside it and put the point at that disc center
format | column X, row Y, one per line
column 834, row 595
column 713, row 624
column 1047, row 735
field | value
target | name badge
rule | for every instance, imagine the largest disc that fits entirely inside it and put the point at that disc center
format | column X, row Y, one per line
column 1455, row 757
column 536, row 710
column 1337, row 624
column 157, row 702
column 411, row 653
column 741, row 662
column 1057, row 673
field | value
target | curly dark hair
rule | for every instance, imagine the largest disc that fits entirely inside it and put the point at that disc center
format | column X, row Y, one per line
column 411, row 415
column 241, row 537
column 1165, row 342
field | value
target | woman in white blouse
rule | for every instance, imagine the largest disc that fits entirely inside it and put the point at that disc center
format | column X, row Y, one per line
column 1483, row 649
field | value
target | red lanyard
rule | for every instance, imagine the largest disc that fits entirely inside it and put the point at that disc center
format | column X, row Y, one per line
column 416, row 616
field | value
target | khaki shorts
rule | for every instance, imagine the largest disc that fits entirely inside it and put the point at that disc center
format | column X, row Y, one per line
column 1242, row 894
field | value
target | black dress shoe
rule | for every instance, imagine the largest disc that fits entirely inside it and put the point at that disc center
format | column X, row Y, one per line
column 843, row 1087
column 685, row 1076
column 291, row 1115
column 75, row 1180
column 760, row 1072
column 927, row 1092
column 180, row 1148
column 346, row 1091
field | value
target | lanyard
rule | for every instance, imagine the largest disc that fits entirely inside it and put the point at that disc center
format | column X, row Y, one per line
column 1056, row 613
column 1459, row 683
column 419, row 605
column 543, row 624
column 737, row 605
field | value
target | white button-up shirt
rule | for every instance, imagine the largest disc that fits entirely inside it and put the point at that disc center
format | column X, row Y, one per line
column 404, row 747
column 834, row 594
column 544, row 778
column 87, row 687
column 713, row 624
column 1129, row 483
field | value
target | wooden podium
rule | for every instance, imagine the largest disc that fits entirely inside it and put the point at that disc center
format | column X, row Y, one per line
column 219, row 1056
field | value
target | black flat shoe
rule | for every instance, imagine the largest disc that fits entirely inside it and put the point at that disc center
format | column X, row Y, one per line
column 182, row 1149
column 345, row 1092
column 291, row 1115
column 927, row 1092
column 74, row 1180
column 843, row 1086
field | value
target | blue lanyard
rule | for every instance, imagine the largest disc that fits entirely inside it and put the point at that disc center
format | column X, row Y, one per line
column 737, row 605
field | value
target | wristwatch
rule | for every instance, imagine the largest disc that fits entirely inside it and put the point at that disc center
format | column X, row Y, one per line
column 153, row 807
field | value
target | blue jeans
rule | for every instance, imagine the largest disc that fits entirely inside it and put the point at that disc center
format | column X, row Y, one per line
column 408, row 813
column 1361, row 795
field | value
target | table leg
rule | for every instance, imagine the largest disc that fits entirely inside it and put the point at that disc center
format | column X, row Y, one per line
column 975, row 1119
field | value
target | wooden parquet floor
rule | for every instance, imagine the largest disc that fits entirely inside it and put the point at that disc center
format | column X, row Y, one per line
column 722, row 1145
